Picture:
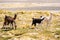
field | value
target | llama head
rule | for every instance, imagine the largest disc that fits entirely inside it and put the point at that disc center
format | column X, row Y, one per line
column 40, row 16
column 51, row 13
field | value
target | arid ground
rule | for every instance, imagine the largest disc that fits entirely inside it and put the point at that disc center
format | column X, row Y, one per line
column 25, row 31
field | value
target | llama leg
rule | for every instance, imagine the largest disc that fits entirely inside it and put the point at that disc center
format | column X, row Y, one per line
column 35, row 24
column 15, row 24
column 4, row 24
column 47, row 23
column 41, row 24
column 12, row 25
column 32, row 23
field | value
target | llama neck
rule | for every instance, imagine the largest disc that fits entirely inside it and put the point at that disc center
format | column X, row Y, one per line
column 15, row 16
column 42, row 19
column 50, row 16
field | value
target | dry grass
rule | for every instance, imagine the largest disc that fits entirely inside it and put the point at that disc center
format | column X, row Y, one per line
column 24, row 28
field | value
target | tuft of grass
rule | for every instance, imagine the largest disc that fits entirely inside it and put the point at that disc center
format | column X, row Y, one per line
column 5, row 38
column 57, row 32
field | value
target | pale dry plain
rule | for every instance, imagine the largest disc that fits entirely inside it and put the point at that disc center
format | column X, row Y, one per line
column 25, row 31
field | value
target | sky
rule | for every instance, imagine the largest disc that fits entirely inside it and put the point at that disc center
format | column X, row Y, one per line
column 30, row 4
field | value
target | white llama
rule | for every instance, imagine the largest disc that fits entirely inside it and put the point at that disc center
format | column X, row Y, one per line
column 48, row 19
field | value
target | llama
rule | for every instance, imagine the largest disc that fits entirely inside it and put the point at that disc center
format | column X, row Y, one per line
column 9, row 20
column 34, row 21
column 48, row 19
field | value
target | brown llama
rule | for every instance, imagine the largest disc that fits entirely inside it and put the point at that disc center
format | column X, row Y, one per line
column 9, row 20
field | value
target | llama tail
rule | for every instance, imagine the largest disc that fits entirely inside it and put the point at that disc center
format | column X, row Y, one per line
column 32, row 18
column 15, row 16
